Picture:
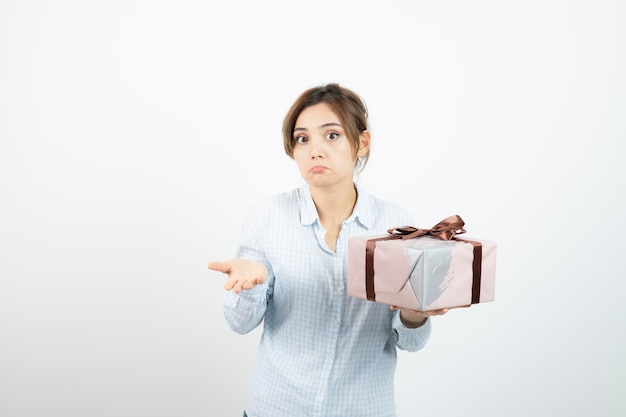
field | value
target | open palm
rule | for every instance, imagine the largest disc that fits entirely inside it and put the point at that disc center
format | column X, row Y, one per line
column 242, row 273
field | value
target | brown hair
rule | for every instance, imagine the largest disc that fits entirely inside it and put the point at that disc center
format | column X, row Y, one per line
column 347, row 105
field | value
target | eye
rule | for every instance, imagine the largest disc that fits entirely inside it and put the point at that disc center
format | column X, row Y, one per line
column 332, row 135
column 302, row 139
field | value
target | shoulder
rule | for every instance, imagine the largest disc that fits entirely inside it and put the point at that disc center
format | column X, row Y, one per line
column 273, row 205
column 378, row 213
column 393, row 211
column 272, row 213
column 387, row 206
column 276, row 201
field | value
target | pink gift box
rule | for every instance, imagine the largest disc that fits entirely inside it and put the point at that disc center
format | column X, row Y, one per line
column 424, row 272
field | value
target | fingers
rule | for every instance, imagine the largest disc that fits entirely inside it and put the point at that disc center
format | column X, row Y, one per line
column 259, row 281
column 230, row 284
column 406, row 309
column 242, row 274
column 431, row 313
column 220, row 267
column 251, row 283
column 239, row 285
column 439, row 312
column 225, row 268
column 428, row 313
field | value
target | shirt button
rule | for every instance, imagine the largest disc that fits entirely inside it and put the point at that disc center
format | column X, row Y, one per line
column 339, row 290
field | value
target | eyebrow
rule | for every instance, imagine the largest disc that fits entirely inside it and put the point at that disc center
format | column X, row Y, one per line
column 322, row 126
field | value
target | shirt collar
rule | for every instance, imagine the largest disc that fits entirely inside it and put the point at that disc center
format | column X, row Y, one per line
column 364, row 211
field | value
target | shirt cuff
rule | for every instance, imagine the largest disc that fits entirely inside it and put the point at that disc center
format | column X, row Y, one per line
column 397, row 323
column 410, row 339
column 246, row 298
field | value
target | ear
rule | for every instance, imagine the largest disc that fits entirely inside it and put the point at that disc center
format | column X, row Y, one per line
column 364, row 143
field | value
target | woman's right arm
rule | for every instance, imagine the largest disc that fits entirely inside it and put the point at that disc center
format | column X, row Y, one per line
column 250, row 280
column 247, row 286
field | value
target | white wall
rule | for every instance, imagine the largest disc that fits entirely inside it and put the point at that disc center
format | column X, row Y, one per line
column 134, row 134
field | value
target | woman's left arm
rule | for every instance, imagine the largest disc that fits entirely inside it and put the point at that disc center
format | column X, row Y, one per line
column 411, row 328
column 413, row 319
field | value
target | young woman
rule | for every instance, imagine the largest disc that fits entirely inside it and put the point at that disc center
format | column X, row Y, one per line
column 322, row 353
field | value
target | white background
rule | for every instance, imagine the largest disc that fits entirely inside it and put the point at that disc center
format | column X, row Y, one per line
column 134, row 135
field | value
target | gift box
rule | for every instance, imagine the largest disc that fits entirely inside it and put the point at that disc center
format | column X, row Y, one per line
column 423, row 269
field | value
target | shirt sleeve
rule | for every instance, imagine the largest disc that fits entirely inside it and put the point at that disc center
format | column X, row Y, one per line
column 408, row 339
column 245, row 311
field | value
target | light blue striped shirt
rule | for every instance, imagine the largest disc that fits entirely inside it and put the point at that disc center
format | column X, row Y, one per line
column 322, row 353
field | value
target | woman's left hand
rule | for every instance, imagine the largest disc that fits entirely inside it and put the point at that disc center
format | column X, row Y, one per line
column 415, row 318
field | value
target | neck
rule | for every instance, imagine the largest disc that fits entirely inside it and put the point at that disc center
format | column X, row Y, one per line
column 334, row 205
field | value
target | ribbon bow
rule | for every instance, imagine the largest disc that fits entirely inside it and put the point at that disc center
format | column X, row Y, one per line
column 444, row 230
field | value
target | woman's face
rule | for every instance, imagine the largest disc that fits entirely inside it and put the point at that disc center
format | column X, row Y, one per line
column 322, row 151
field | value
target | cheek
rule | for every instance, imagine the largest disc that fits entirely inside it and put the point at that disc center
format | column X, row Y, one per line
column 297, row 154
column 300, row 158
column 348, row 152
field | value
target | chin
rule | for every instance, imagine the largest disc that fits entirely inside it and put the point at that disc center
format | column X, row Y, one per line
column 318, row 182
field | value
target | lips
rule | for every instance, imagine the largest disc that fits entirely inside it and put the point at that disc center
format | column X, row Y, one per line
column 318, row 169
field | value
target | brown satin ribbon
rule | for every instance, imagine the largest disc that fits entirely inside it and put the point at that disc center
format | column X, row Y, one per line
column 446, row 229
column 477, row 263
column 370, row 247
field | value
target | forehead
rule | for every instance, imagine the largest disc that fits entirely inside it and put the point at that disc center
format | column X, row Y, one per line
column 316, row 115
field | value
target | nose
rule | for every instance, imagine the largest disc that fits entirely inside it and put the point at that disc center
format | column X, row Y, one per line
column 316, row 149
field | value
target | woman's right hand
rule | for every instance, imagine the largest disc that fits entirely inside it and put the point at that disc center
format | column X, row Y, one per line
column 242, row 273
